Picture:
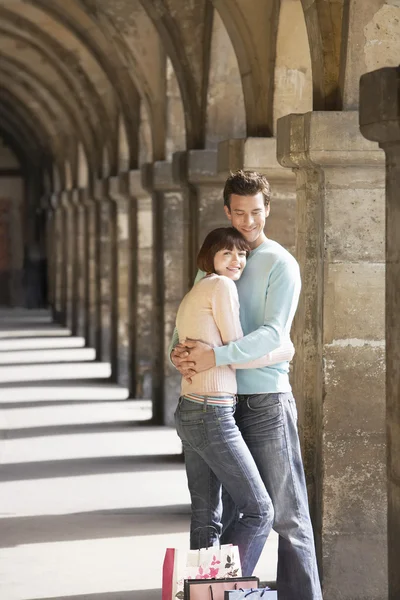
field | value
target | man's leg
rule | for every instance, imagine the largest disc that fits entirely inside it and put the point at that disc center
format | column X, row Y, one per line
column 216, row 454
column 268, row 423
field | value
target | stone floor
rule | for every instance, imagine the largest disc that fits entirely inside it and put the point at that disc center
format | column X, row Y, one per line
column 90, row 495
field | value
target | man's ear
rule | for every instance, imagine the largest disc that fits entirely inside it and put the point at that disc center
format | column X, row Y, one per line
column 267, row 210
column 227, row 212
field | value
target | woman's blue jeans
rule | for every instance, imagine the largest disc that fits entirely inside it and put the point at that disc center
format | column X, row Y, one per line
column 215, row 456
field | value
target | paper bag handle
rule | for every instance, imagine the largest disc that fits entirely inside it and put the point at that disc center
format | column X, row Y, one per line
column 208, row 527
column 212, row 594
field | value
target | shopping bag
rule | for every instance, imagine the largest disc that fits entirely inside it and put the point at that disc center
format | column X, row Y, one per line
column 215, row 589
column 252, row 594
column 214, row 562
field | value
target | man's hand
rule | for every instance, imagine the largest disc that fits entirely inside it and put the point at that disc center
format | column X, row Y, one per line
column 191, row 357
column 181, row 361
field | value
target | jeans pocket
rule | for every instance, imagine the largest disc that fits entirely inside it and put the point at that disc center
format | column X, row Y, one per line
column 263, row 402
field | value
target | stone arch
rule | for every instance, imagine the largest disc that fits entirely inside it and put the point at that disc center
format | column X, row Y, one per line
column 226, row 114
column 175, row 134
column 185, row 31
column 327, row 25
column 47, row 60
column 293, row 74
column 252, row 27
column 123, row 146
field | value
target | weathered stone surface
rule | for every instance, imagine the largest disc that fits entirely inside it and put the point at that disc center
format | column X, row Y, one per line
column 338, row 331
column 380, row 121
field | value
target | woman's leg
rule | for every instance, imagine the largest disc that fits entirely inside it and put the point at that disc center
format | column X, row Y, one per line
column 216, row 454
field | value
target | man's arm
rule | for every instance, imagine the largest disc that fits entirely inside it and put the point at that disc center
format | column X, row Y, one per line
column 282, row 354
column 281, row 303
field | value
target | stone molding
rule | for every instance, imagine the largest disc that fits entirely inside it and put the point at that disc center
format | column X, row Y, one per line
column 100, row 189
column 324, row 139
column 198, row 167
column 158, row 177
column 253, row 154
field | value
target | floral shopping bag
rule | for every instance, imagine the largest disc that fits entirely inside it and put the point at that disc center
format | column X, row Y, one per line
column 215, row 562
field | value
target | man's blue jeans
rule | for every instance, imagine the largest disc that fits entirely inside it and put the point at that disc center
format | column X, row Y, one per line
column 268, row 423
column 216, row 454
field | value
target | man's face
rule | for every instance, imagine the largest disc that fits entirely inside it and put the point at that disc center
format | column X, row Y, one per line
column 247, row 214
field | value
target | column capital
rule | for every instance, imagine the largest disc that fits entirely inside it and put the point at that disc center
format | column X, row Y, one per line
column 199, row 167
column 324, row 139
column 65, row 198
column 75, row 197
column 158, row 177
column 380, row 105
column 118, row 186
column 137, row 189
column 252, row 154
column 84, row 196
column 100, row 189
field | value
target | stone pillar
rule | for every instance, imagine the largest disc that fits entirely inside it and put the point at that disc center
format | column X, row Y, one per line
column 126, row 290
column 142, row 289
column 92, row 290
column 74, row 243
column 380, row 122
column 106, row 283
column 50, row 250
column 81, row 261
column 338, row 335
column 68, row 235
column 169, row 205
column 199, row 169
column 259, row 154
column 58, row 260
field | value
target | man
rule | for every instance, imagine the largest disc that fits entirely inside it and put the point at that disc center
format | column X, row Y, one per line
column 266, row 411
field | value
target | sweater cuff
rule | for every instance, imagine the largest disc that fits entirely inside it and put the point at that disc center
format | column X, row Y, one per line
column 221, row 356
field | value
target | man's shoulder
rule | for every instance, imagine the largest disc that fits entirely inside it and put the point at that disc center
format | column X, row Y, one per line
column 276, row 253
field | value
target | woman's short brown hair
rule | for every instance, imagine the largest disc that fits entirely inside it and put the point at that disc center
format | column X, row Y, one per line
column 219, row 239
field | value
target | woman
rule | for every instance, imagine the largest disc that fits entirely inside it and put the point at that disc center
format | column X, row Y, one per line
column 215, row 453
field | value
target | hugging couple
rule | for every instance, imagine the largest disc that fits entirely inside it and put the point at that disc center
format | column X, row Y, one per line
column 236, row 416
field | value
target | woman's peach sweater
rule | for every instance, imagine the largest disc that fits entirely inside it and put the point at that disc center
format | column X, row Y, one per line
column 210, row 313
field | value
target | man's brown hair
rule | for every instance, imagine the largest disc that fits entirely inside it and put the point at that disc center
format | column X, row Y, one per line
column 219, row 239
column 246, row 183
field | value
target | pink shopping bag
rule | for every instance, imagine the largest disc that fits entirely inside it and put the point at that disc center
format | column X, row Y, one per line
column 215, row 562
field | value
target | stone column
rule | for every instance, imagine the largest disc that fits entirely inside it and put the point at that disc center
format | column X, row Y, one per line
column 106, row 275
column 126, row 290
column 142, row 289
column 380, row 122
column 339, row 340
column 198, row 169
column 58, row 260
column 169, row 205
column 92, row 323
column 68, row 235
column 259, row 154
column 81, row 261
column 74, row 244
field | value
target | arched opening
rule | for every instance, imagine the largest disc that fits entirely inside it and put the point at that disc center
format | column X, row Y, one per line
column 293, row 77
column 226, row 114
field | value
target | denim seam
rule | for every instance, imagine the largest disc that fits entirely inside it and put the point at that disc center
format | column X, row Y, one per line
column 237, row 458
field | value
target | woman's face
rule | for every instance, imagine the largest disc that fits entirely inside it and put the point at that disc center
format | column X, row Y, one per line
column 230, row 263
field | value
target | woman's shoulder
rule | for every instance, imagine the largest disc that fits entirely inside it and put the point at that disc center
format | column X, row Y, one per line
column 215, row 283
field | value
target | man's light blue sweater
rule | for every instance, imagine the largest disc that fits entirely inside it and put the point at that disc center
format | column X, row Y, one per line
column 269, row 291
